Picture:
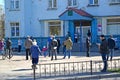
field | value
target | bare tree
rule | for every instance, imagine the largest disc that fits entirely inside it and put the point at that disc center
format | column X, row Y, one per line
column 2, row 22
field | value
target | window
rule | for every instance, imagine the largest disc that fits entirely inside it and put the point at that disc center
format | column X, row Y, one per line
column 52, row 4
column 14, row 29
column 54, row 28
column 14, row 4
column 93, row 2
column 114, row 1
column 72, row 3
column 113, row 26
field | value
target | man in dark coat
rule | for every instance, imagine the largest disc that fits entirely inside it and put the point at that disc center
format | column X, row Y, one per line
column 104, row 52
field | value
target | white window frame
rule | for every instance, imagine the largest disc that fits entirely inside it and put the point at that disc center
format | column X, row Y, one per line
column 52, row 4
column 14, row 4
column 93, row 2
column 15, row 25
column 113, row 23
column 72, row 3
column 114, row 1
column 49, row 25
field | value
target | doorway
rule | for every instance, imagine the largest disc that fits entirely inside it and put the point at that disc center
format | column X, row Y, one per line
column 82, row 30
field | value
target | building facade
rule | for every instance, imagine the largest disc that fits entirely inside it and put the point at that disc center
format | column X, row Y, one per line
column 42, row 18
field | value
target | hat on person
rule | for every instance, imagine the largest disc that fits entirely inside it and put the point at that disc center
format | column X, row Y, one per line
column 102, row 35
column 34, row 43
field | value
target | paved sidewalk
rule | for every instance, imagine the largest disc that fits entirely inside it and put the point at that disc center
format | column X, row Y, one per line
column 18, row 68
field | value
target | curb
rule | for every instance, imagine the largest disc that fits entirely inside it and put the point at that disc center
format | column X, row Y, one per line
column 90, row 77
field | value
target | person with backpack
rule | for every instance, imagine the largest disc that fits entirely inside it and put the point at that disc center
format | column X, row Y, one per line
column 111, row 46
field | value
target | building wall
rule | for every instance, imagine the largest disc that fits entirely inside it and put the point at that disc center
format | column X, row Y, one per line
column 34, row 15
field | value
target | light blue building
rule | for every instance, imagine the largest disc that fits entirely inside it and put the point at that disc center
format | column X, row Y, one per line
column 42, row 18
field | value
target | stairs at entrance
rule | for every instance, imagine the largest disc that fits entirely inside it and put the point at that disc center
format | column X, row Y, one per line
column 78, row 47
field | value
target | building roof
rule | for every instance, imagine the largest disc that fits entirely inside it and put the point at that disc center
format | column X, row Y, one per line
column 78, row 11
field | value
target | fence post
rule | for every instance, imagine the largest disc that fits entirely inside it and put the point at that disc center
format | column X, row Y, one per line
column 33, row 66
column 91, row 67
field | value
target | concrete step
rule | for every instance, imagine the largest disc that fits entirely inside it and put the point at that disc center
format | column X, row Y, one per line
column 77, row 47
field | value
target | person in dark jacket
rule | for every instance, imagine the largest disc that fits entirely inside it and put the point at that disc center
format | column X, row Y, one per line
column 35, row 51
column 88, row 46
column 89, row 33
column 111, row 45
column 58, row 47
column 104, row 52
column 8, row 45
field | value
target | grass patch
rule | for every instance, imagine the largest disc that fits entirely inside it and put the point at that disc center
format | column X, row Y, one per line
column 114, row 70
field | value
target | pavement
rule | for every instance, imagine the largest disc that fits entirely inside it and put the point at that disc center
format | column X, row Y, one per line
column 18, row 68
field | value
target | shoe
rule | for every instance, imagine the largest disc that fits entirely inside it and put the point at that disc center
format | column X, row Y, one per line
column 103, row 70
column 34, row 67
column 63, row 57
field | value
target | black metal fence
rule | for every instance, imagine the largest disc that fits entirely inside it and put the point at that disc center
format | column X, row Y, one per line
column 72, row 68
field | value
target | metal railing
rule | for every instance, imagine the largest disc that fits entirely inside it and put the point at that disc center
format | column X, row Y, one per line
column 72, row 68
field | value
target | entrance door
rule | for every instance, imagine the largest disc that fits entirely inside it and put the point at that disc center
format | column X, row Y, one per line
column 84, row 32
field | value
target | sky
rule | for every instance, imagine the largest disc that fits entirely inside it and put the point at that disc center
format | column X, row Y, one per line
column 2, row 2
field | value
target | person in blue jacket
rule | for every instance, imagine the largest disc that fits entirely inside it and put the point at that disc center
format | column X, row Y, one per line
column 35, row 51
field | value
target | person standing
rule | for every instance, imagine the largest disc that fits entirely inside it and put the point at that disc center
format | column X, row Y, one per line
column 88, row 44
column 68, row 35
column 19, row 45
column 69, row 45
column 89, row 33
column 54, row 45
column 35, row 51
column 44, row 51
column 64, row 47
column 111, row 45
column 104, row 52
column 28, row 44
column 1, row 46
column 58, row 47
column 76, row 37
column 49, row 45
column 8, row 45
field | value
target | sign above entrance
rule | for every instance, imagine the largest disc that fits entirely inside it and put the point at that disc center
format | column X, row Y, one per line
column 70, row 13
column 75, row 14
